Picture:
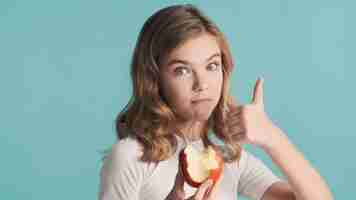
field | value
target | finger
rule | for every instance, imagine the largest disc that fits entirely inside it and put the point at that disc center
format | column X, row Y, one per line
column 237, row 128
column 202, row 190
column 257, row 98
column 235, row 111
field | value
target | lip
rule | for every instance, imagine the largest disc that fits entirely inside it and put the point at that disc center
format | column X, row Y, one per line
column 200, row 100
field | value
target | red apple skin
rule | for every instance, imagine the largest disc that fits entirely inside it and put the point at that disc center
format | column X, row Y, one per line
column 214, row 174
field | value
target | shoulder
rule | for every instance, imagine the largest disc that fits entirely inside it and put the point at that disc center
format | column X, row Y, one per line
column 126, row 149
column 246, row 161
column 122, row 172
column 247, row 157
column 123, row 153
column 123, row 157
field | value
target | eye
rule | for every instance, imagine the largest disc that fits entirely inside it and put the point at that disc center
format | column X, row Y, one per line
column 213, row 66
column 179, row 71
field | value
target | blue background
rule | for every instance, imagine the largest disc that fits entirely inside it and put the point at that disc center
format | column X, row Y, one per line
column 64, row 75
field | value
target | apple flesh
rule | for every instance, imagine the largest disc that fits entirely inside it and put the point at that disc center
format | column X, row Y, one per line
column 198, row 166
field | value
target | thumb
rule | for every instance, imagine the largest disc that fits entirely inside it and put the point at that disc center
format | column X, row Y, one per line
column 203, row 190
column 257, row 97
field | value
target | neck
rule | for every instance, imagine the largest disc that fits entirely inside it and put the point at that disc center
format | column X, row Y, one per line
column 192, row 130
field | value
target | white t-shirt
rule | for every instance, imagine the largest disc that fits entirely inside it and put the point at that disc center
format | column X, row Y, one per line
column 124, row 177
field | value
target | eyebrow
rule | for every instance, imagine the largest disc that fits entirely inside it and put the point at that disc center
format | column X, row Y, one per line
column 175, row 61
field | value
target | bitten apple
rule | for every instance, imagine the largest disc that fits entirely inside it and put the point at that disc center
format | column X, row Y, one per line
column 198, row 166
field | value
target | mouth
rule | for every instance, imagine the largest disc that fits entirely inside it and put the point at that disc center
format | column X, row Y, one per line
column 201, row 100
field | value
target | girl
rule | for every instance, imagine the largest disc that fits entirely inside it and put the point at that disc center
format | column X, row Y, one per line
column 180, row 70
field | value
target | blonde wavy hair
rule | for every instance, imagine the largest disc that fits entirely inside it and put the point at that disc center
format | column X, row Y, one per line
column 147, row 116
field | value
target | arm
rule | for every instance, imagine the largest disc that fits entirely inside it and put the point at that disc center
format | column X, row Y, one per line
column 307, row 184
column 303, row 180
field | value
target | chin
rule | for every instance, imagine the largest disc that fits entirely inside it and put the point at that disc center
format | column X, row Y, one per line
column 202, row 118
column 188, row 115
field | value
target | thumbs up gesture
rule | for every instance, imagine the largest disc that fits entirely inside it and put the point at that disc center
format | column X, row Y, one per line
column 252, row 121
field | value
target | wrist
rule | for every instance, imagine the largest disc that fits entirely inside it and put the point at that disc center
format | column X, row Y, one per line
column 276, row 140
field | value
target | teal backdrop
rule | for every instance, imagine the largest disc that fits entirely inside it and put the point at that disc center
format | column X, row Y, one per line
column 64, row 74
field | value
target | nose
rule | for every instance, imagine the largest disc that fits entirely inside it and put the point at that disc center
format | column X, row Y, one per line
column 200, row 83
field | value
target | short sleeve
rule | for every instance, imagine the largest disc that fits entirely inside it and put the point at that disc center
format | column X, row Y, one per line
column 255, row 177
column 121, row 174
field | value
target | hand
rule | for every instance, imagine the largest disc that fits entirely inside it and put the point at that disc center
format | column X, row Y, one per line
column 206, row 191
column 252, row 121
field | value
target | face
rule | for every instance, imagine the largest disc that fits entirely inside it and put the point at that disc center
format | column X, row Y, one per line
column 192, row 78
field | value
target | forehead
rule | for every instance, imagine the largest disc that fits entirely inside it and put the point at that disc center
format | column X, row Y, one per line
column 196, row 50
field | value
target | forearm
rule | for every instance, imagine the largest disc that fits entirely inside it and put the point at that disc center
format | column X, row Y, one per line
column 303, row 178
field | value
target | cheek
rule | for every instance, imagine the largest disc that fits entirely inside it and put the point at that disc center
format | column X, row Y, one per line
column 177, row 93
column 216, row 84
column 220, row 85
